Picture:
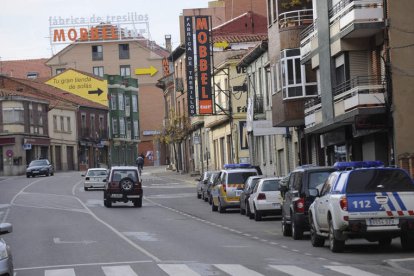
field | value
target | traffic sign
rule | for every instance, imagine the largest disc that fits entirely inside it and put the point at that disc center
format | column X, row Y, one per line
column 9, row 153
column 146, row 71
column 85, row 86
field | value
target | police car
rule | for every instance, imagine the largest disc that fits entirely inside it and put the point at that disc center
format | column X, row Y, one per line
column 227, row 189
column 363, row 199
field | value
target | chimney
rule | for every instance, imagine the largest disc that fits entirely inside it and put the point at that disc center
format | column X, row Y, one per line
column 168, row 45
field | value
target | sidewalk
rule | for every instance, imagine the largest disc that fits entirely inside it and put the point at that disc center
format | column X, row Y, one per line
column 162, row 171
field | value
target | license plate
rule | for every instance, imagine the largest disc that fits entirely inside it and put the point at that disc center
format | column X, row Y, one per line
column 35, row 171
column 116, row 195
column 382, row 221
column 276, row 205
column 134, row 196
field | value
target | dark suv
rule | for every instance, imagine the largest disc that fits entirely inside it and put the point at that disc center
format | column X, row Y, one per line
column 123, row 184
column 297, row 199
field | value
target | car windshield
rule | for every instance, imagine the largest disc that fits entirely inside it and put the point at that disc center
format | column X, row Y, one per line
column 383, row 180
column 38, row 163
column 316, row 178
column 270, row 185
column 239, row 177
column 96, row 173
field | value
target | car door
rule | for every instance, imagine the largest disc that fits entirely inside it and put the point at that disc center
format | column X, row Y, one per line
column 322, row 203
column 290, row 195
column 253, row 195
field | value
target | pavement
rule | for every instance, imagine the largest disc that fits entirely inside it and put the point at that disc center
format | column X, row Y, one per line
column 164, row 172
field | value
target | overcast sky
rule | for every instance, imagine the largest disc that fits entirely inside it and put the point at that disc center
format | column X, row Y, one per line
column 24, row 24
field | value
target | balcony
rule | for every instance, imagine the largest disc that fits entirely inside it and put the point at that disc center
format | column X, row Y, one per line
column 361, row 95
column 287, row 113
column 308, row 41
column 295, row 18
column 355, row 19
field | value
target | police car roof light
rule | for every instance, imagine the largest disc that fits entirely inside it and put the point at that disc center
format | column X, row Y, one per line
column 237, row 166
column 357, row 164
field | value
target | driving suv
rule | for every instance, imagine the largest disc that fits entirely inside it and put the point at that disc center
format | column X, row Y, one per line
column 364, row 200
column 297, row 198
column 122, row 185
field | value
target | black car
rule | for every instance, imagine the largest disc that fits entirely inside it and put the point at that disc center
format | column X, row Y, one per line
column 39, row 167
column 297, row 198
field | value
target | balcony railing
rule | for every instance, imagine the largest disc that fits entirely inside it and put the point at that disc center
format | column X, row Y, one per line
column 295, row 18
column 357, row 11
column 360, row 84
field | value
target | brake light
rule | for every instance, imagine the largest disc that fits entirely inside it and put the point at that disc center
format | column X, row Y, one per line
column 300, row 205
column 261, row 196
column 343, row 202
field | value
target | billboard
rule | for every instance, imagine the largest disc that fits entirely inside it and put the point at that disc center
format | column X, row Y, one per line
column 203, row 39
column 189, row 65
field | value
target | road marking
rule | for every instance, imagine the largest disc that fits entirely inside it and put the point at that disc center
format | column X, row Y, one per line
column 58, row 241
column 141, row 236
column 237, row 270
column 178, row 270
column 348, row 270
column 294, row 270
column 79, row 265
column 124, row 270
column 60, row 272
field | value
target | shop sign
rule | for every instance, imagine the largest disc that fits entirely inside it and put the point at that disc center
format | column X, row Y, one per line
column 27, row 146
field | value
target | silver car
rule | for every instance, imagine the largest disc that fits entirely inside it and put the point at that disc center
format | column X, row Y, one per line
column 6, row 259
column 95, row 178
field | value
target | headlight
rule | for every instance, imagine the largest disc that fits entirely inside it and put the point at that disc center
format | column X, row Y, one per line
column 3, row 252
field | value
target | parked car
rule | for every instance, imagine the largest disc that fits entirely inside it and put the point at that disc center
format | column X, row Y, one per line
column 207, row 188
column 227, row 189
column 6, row 260
column 202, row 183
column 39, row 167
column 95, row 178
column 245, row 194
column 368, row 201
column 297, row 198
column 265, row 200
column 124, row 184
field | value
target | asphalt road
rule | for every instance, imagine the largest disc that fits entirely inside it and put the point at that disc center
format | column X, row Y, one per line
column 61, row 230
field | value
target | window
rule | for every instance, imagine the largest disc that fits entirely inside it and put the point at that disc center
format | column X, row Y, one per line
column 97, row 52
column 68, row 123
column 83, row 120
column 62, row 123
column 59, row 70
column 98, row 71
column 125, row 70
column 113, row 101
column 101, row 123
column 115, row 126
column 134, row 103
column 294, row 81
column 121, row 126
column 121, row 101
column 123, row 51
column 32, row 75
column 136, row 129
column 54, row 122
column 13, row 115
column 92, row 122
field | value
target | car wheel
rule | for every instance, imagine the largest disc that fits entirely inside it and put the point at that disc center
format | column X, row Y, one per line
column 407, row 240
column 198, row 195
column 335, row 245
column 221, row 209
column 213, row 207
column 138, row 202
column 297, row 232
column 257, row 215
column 242, row 210
column 86, row 188
column 126, row 184
column 316, row 240
column 47, row 174
column 28, row 175
column 286, row 228
column 52, row 173
column 107, row 203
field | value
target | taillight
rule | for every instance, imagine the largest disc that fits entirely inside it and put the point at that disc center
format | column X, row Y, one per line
column 300, row 205
column 87, row 178
column 261, row 196
column 343, row 202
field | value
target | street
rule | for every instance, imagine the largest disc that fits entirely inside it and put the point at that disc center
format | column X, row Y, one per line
column 61, row 230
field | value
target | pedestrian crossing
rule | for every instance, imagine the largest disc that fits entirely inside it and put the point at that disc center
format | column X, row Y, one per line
column 197, row 269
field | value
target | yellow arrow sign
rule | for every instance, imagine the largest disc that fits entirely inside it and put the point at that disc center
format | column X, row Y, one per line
column 85, row 86
column 146, row 71
column 222, row 44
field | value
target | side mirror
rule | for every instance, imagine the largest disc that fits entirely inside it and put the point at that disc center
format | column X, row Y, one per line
column 5, row 228
column 314, row 192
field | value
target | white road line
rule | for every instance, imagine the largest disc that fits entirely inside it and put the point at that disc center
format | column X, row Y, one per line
column 60, row 272
column 79, row 265
column 294, row 270
column 237, row 270
column 349, row 270
column 178, row 270
column 124, row 270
